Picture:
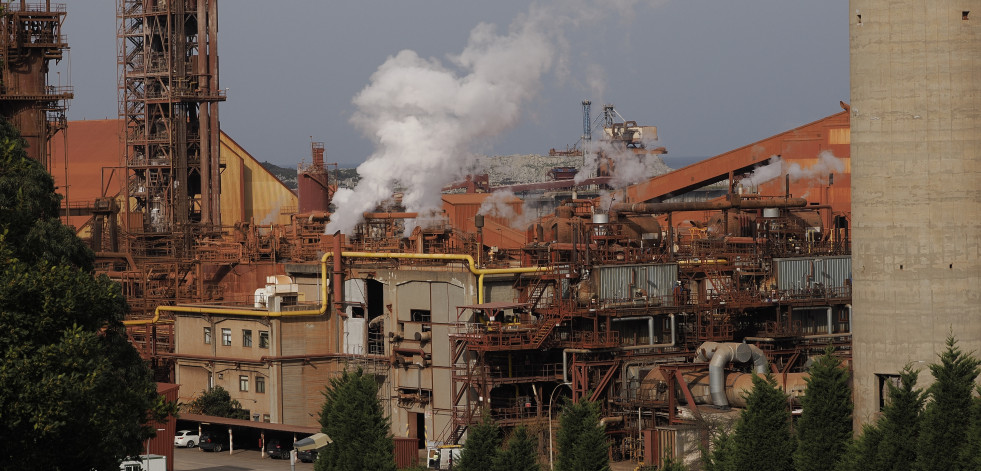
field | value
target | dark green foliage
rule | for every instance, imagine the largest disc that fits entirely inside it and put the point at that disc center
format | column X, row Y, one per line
column 762, row 439
column 899, row 424
column 481, row 447
column 581, row 441
column 219, row 403
column 825, row 426
column 943, row 431
column 74, row 390
column 520, row 454
column 671, row 465
column 861, row 453
column 668, row 464
column 29, row 209
column 353, row 418
column 972, row 451
column 720, row 459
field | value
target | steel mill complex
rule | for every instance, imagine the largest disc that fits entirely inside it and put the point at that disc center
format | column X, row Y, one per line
column 659, row 299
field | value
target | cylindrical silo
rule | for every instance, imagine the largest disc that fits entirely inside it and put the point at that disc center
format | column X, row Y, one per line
column 916, row 186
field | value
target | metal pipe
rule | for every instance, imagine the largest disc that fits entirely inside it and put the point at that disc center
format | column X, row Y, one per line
column 390, row 215
column 565, row 361
column 650, row 324
column 708, row 205
column 337, row 275
column 551, row 462
column 655, row 345
column 245, row 312
column 831, row 325
column 720, row 354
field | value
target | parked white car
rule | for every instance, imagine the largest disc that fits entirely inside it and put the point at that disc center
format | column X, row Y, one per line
column 186, row 438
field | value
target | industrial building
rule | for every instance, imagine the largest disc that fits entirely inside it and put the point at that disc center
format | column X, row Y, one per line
column 659, row 305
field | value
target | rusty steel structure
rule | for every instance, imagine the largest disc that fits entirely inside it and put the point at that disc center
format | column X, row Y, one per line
column 168, row 99
column 609, row 302
column 30, row 39
column 656, row 304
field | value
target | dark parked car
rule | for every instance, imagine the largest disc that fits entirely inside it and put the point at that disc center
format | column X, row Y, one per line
column 307, row 456
column 212, row 442
column 275, row 449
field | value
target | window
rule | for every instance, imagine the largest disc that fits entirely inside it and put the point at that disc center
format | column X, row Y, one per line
column 207, row 335
column 260, row 384
column 883, row 389
column 263, row 339
column 246, row 338
column 265, row 417
column 226, row 337
column 243, row 383
column 419, row 315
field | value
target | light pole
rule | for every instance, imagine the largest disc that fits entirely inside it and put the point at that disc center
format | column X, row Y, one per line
column 551, row 398
column 147, row 457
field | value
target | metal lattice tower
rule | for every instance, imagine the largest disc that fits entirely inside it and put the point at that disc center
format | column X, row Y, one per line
column 30, row 39
column 168, row 97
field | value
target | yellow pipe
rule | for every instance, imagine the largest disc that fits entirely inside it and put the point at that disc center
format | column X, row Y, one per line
column 245, row 312
column 480, row 272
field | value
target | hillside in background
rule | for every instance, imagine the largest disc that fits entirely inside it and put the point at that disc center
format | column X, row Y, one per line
column 503, row 170
column 287, row 175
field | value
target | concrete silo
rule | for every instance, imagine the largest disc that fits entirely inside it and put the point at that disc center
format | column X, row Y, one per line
column 916, row 186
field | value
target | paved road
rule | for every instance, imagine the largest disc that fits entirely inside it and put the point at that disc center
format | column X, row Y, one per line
column 193, row 459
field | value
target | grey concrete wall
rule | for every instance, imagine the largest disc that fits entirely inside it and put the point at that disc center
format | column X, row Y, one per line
column 916, row 185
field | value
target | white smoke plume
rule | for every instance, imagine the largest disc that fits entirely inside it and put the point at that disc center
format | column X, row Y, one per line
column 627, row 167
column 827, row 163
column 498, row 204
column 764, row 174
column 424, row 116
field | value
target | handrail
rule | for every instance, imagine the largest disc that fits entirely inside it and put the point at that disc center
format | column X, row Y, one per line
column 480, row 272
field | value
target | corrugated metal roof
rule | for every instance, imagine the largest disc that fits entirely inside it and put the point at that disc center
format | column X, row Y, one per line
column 95, row 156
column 210, row 419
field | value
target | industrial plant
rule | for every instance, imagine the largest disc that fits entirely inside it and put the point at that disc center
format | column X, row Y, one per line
column 659, row 299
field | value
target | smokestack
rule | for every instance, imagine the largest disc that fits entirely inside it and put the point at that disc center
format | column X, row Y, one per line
column 317, row 153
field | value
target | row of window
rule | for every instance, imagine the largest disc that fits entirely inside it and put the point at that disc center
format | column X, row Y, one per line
column 260, row 384
column 226, row 337
column 243, row 383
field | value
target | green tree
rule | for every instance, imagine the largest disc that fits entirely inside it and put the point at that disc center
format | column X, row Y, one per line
column 899, row 424
column 353, row 418
column 521, row 453
column 943, row 432
column 862, row 452
column 73, row 386
column 669, row 464
column 581, row 440
column 219, row 403
column 825, row 426
column 972, row 452
column 720, row 458
column 481, row 447
column 762, row 440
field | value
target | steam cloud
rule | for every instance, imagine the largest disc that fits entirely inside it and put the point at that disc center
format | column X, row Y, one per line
column 627, row 167
column 423, row 115
column 498, row 205
column 826, row 163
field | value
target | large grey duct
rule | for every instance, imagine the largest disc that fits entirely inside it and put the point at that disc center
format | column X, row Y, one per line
column 719, row 355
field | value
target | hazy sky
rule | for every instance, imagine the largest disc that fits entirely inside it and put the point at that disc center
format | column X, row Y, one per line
column 711, row 75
